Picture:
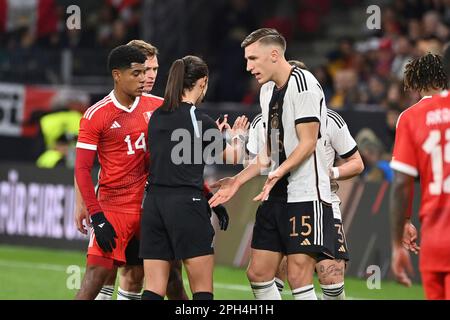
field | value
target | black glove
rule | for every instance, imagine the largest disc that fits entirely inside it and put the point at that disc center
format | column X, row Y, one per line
column 104, row 232
column 221, row 213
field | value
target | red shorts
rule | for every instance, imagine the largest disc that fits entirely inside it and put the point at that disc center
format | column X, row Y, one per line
column 436, row 285
column 126, row 226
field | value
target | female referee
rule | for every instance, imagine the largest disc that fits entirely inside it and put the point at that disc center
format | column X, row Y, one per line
column 176, row 220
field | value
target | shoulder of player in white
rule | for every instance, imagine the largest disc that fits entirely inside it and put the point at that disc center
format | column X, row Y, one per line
column 148, row 95
column 256, row 120
column 335, row 118
column 304, row 80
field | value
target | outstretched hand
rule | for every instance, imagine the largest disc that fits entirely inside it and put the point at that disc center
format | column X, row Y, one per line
column 272, row 179
column 227, row 189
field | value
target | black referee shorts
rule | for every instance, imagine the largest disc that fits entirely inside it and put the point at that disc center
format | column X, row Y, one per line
column 176, row 225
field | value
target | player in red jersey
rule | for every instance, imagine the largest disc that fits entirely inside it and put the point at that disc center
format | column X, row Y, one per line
column 422, row 149
column 132, row 273
column 114, row 128
column 130, row 284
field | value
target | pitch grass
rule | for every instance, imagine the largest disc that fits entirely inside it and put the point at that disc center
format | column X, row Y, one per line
column 43, row 274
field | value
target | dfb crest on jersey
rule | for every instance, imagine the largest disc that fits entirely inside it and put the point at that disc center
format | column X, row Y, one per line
column 147, row 116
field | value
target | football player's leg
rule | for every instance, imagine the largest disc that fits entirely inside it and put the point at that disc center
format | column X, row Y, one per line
column 175, row 287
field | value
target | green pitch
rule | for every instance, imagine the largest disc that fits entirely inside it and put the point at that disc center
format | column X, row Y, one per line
column 30, row 273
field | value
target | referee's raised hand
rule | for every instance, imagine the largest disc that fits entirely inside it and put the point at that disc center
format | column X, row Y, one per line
column 222, row 123
column 240, row 127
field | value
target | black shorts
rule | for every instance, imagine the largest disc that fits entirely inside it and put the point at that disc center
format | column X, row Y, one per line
column 340, row 243
column 311, row 229
column 176, row 225
column 270, row 226
column 132, row 253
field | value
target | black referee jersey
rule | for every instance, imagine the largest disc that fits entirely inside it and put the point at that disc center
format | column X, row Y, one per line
column 177, row 141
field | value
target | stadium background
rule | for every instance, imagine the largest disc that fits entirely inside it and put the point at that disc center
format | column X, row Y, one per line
column 46, row 68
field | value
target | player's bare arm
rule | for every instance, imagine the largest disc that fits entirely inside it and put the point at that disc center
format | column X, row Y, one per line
column 307, row 134
column 230, row 185
column 351, row 167
column 401, row 197
column 81, row 213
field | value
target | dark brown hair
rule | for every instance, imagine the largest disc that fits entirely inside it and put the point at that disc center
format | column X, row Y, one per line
column 265, row 36
column 183, row 75
column 424, row 73
column 123, row 56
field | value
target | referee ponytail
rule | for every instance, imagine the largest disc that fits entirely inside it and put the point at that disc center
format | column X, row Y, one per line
column 183, row 75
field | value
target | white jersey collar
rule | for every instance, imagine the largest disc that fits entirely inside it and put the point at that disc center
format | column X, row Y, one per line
column 119, row 106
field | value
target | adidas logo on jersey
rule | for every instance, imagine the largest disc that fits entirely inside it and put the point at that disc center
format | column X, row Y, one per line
column 101, row 225
column 341, row 249
column 305, row 243
column 115, row 125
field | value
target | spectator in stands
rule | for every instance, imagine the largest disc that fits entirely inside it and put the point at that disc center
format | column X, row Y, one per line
column 430, row 23
column 376, row 165
column 322, row 75
column 61, row 155
column 403, row 51
column 232, row 22
column 392, row 114
column 346, row 93
column 376, row 91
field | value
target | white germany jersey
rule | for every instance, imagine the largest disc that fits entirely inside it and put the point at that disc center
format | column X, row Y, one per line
column 302, row 101
column 256, row 136
column 337, row 140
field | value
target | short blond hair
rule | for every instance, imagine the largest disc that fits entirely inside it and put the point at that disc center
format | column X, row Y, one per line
column 146, row 48
column 298, row 63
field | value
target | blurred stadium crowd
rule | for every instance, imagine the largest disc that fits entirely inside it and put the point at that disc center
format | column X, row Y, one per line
column 361, row 70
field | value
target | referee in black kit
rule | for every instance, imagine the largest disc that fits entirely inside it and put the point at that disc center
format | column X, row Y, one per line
column 176, row 219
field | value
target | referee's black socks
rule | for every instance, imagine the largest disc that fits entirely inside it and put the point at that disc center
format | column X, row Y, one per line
column 150, row 295
column 203, row 296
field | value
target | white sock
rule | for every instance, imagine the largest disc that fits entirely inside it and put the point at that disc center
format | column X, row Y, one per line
column 105, row 293
column 280, row 284
column 126, row 295
column 333, row 291
column 265, row 290
column 305, row 293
